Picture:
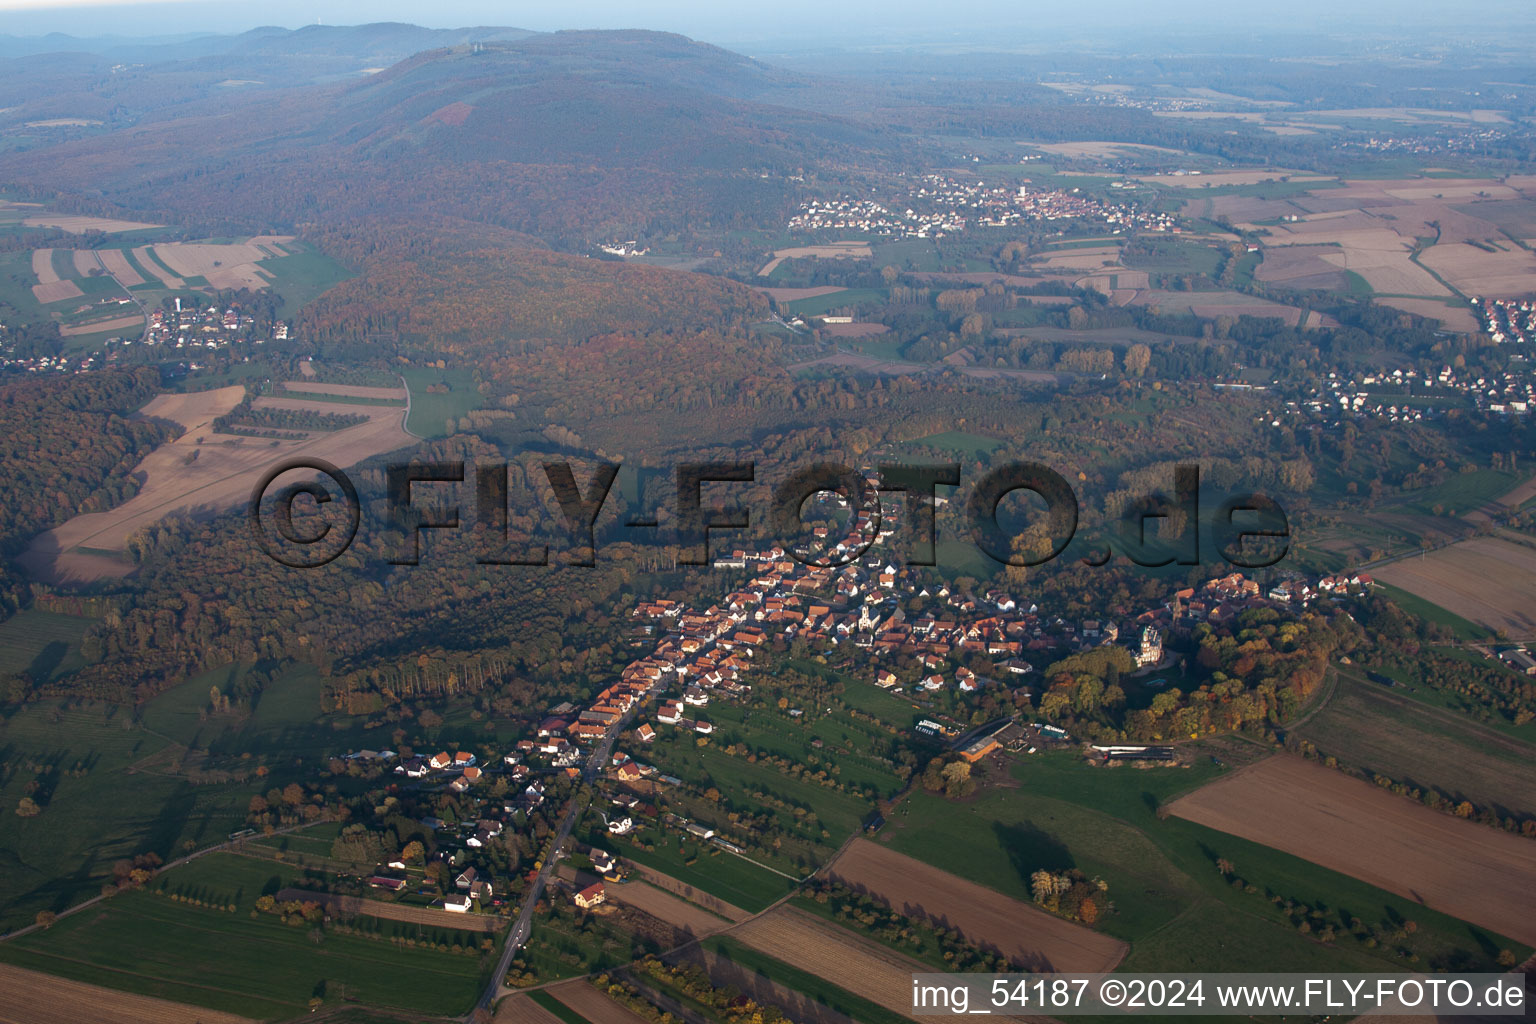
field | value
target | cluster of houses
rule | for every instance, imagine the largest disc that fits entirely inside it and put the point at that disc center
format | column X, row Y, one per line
column 1507, row 320
column 1387, row 395
column 936, row 205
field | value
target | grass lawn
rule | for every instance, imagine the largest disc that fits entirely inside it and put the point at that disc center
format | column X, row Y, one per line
column 1171, row 904
column 303, row 277
column 45, row 645
column 557, row 1008
column 818, row 988
column 259, row 967
column 431, row 411
column 718, row 873
column 837, row 300
column 1381, row 729
column 96, row 808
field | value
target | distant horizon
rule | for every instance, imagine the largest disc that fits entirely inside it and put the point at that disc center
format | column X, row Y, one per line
column 802, row 25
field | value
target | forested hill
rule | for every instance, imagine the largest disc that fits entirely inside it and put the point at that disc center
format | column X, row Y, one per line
column 537, row 135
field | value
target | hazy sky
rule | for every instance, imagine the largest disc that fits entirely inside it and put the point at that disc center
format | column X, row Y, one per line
column 808, row 23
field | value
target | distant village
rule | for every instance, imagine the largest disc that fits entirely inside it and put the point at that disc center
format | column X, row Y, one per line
column 937, row 205
column 182, row 330
column 698, row 657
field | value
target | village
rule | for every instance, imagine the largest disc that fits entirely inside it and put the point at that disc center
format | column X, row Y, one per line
column 937, row 205
column 701, row 658
column 184, row 330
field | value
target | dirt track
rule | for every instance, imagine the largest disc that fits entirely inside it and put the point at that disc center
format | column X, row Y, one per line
column 986, row 917
column 27, row 997
column 1469, row 871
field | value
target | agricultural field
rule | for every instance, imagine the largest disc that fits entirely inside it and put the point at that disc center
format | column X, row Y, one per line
column 44, row 645
column 439, row 399
column 1176, row 911
column 1377, row 729
column 99, row 803
column 832, row 250
column 201, row 471
column 690, row 895
column 833, row 958
column 664, row 906
column 27, row 997
column 152, row 945
column 701, row 866
column 1018, row 929
column 591, row 1005
column 1345, row 824
column 1487, row 580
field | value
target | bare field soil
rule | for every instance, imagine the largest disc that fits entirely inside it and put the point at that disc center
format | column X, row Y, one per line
column 56, row 291
column 595, row 1006
column 42, row 266
column 519, row 1009
column 116, row 262
column 142, row 257
column 431, row 917
column 187, row 476
column 225, row 266
column 29, row 997
column 345, row 390
column 119, row 323
column 832, row 250
column 1463, row 869
column 1489, row 581
column 1381, row 729
column 668, row 884
column 801, row 940
column 664, row 906
column 985, row 916
column 1474, row 271
column 1452, row 318
column 79, row 225
column 1221, row 178
column 792, row 294
column 85, row 262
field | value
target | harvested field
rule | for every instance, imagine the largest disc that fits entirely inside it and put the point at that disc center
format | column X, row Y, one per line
column 1219, row 179
column 1491, row 582
column 57, row 291
column 1452, row 318
column 29, row 997
column 85, row 262
column 595, row 1006
column 519, row 1009
column 1110, row 150
column 185, row 476
column 1381, row 729
column 345, row 390
column 1024, row 933
column 431, row 917
column 77, row 225
column 664, row 906
column 1474, row 271
column 117, row 323
column 862, row 968
column 832, row 250
column 792, row 294
column 42, row 266
column 116, row 262
column 142, row 257
column 1300, row 266
column 678, row 888
column 1463, row 869
column 1080, row 259
column 225, row 266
